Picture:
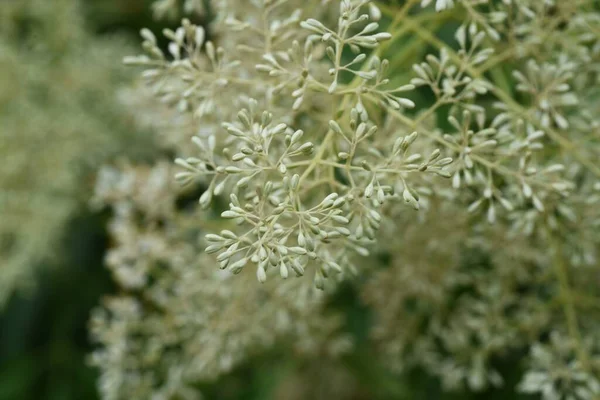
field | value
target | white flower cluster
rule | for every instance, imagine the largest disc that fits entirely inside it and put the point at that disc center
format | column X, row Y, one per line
column 180, row 322
column 461, row 186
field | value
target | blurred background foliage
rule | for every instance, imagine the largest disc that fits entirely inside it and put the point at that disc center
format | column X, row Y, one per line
column 59, row 81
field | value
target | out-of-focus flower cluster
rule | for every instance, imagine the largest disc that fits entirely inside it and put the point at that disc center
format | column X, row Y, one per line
column 460, row 199
column 58, row 119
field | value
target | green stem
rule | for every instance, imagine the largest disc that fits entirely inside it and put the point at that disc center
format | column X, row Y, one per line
column 568, row 303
